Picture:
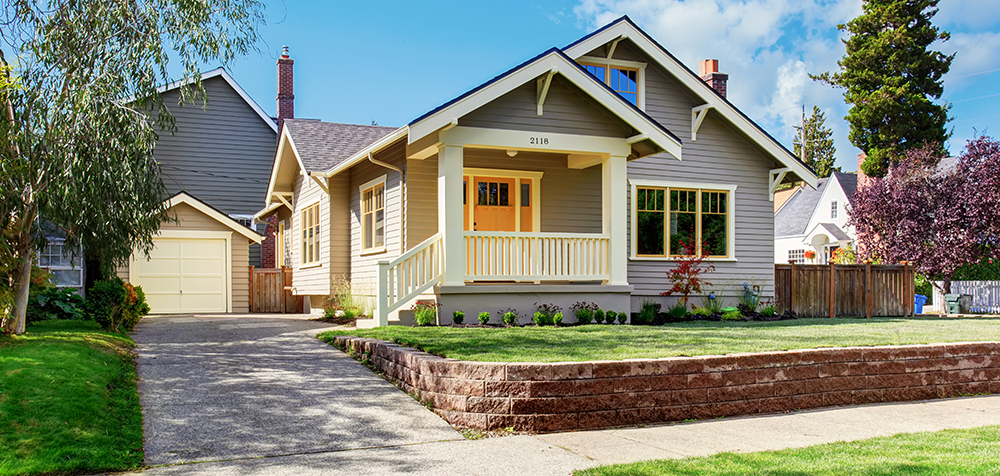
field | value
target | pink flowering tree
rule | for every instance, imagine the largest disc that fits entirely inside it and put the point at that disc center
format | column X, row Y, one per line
column 936, row 219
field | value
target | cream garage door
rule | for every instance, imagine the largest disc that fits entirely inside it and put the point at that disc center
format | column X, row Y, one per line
column 185, row 275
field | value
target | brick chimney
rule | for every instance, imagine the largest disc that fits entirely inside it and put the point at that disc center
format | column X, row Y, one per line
column 709, row 72
column 862, row 178
column 286, row 90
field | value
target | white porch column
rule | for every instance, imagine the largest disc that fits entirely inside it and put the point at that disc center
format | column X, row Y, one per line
column 450, row 219
column 614, row 174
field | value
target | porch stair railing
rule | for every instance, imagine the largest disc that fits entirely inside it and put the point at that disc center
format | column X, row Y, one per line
column 537, row 256
column 407, row 276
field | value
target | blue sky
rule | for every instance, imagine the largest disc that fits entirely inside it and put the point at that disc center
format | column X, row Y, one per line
column 391, row 61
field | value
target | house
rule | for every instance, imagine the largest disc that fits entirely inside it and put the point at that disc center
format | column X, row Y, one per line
column 573, row 176
column 815, row 219
column 215, row 167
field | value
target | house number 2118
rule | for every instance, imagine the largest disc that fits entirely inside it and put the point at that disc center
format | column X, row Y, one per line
column 539, row 140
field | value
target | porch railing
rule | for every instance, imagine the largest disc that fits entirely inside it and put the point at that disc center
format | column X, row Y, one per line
column 536, row 256
column 404, row 278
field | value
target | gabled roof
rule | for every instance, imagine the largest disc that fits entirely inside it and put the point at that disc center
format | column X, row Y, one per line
column 793, row 218
column 322, row 145
column 553, row 60
column 221, row 72
column 849, row 183
column 828, row 229
column 184, row 197
column 625, row 28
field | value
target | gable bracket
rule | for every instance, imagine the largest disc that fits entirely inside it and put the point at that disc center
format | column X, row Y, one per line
column 775, row 176
column 542, row 89
column 321, row 183
column 614, row 44
column 698, row 114
column 281, row 198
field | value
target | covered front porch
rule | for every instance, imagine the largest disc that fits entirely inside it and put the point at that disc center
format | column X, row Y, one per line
column 518, row 213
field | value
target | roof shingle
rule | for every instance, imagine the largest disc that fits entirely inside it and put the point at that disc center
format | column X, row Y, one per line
column 323, row 145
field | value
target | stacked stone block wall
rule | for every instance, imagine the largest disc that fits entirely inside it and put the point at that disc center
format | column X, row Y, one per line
column 540, row 397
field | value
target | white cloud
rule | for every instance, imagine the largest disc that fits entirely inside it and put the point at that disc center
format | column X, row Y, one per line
column 767, row 47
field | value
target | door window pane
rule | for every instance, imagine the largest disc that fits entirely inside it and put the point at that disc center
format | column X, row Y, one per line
column 503, row 200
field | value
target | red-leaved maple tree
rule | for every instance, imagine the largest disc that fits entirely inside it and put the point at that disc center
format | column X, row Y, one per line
column 686, row 275
column 937, row 219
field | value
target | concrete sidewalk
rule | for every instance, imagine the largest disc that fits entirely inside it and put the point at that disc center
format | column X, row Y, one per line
column 562, row 453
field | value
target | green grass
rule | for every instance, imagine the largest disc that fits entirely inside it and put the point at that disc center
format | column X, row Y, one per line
column 603, row 342
column 950, row 452
column 68, row 401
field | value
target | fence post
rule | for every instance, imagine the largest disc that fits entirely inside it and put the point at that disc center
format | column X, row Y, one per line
column 833, row 288
column 791, row 287
column 868, row 289
column 908, row 282
column 251, row 290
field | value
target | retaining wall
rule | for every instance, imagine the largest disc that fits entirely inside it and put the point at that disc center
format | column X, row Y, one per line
column 540, row 397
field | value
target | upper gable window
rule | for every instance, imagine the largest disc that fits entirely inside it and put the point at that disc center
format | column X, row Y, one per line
column 623, row 77
column 833, row 210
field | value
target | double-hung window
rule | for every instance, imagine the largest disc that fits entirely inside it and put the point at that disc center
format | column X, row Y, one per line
column 310, row 235
column 373, row 216
column 673, row 220
column 623, row 77
column 833, row 210
column 58, row 259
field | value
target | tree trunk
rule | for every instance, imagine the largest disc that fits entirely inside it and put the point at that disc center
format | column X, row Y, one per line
column 22, row 249
column 947, row 284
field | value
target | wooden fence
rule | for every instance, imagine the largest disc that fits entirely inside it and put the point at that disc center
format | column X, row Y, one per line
column 836, row 290
column 271, row 291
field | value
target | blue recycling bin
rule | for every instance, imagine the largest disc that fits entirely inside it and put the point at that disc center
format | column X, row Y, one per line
column 918, row 303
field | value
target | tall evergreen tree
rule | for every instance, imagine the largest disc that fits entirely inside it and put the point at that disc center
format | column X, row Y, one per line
column 820, row 153
column 891, row 79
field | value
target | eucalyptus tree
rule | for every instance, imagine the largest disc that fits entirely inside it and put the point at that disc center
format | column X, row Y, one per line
column 82, row 113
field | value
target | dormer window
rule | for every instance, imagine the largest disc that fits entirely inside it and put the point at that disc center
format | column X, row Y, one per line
column 623, row 77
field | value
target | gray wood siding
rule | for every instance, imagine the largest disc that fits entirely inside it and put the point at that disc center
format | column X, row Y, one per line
column 364, row 266
column 570, row 198
column 567, row 110
column 722, row 155
column 221, row 153
column 312, row 279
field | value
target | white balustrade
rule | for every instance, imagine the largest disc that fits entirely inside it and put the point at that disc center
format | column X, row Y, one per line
column 536, row 256
column 407, row 276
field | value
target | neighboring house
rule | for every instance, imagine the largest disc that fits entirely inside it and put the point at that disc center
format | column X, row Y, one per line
column 815, row 219
column 215, row 167
column 558, row 181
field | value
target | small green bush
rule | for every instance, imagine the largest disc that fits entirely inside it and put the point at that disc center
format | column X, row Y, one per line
column 542, row 319
column 545, row 313
column 116, row 305
column 622, row 317
column 557, row 319
column 510, row 316
column 701, row 311
column 731, row 316
column 584, row 311
column 425, row 313
column 647, row 313
column 352, row 312
column 458, row 317
column 51, row 302
column 609, row 317
column 599, row 316
column 484, row 317
column 768, row 310
column 678, row 311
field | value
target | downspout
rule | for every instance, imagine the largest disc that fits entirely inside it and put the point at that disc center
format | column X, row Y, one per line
column 402, row 198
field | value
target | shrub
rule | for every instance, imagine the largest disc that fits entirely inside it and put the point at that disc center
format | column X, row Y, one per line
column 53, row 303
column 768, row 310
column 116, row 305
column 647, row 313
column 557, row 319
column 425, row 312
column 731, row 316
column 352, row 312
column 701, row 311
column 510, row 316
column 622, row 317
column 544, row 313
column 484, row 317
column 354, row 299
column 609, row 317
column 685, row 276
column 584, row 311
column 678, row 311
column 599, row 316
column 458, row 317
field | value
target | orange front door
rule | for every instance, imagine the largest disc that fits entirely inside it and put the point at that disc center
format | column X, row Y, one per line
column 494, row 209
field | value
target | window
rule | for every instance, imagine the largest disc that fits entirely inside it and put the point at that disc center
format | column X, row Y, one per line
column 623, row 77
column 833, row 210
column 494, row 194
column 797, row 256
column 671, row 219
column 58, row 259
column 310, row 235
column 373, row 217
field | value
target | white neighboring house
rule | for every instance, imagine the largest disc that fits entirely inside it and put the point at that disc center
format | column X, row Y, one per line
column 815, row 220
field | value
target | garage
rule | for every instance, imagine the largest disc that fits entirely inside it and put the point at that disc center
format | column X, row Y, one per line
column 199, row 262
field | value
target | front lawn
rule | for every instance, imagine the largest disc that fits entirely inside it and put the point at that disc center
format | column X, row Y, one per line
column 617, row 342
column 949, row 452
column 68, row 401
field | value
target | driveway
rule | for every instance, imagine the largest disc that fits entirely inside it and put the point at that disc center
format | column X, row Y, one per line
column 229, row 387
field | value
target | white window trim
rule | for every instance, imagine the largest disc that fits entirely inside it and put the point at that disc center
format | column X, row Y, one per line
column 636, row 183
column 640, row 76
column 77, row 266
column 834, row 209
column 361, row 208
column 298, row 236
column 517, row 175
